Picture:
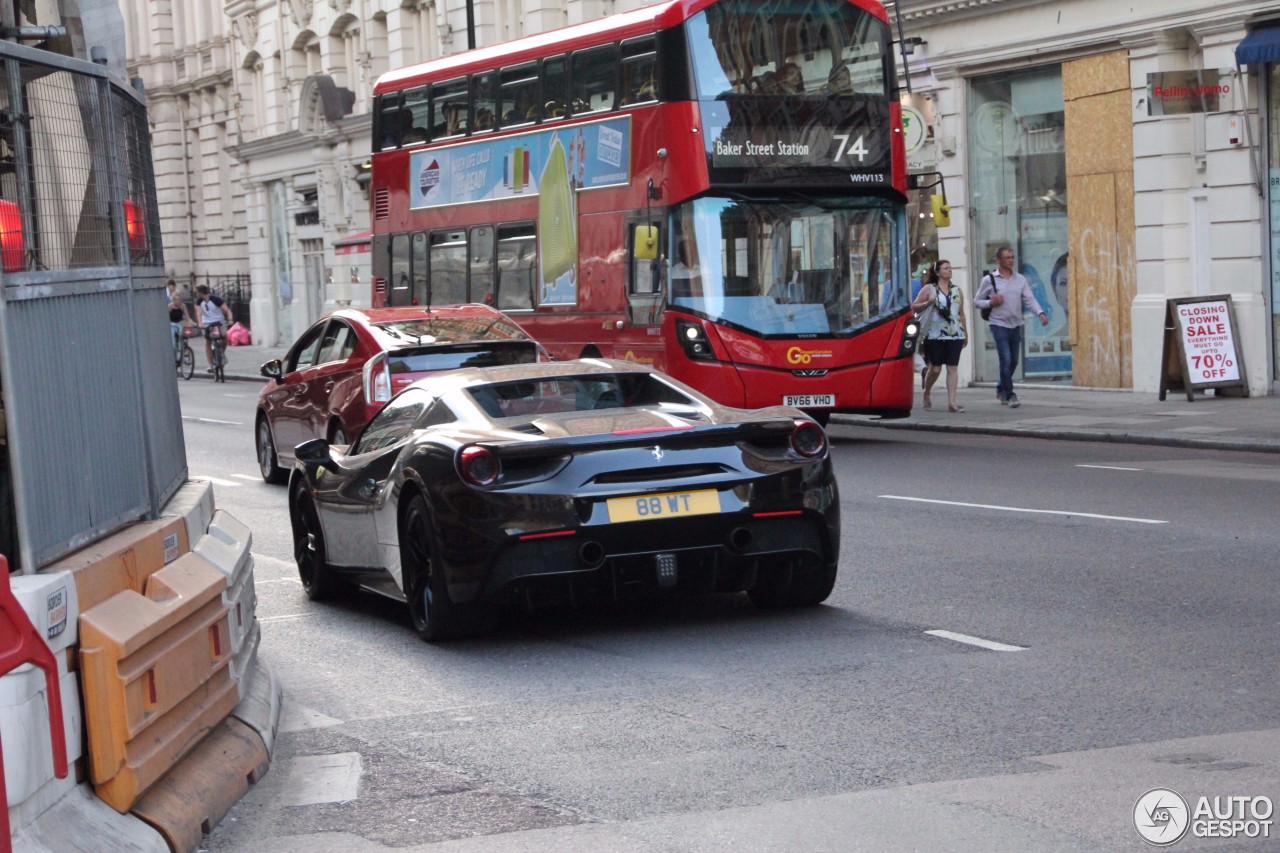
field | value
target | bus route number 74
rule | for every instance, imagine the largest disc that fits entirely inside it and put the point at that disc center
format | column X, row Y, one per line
column 856, row 149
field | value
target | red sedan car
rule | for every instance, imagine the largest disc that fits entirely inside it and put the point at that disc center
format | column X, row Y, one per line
column 346, row 366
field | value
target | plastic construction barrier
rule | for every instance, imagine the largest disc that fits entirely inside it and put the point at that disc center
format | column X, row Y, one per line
column 193, row 503
column 226, row 546
column 156, row 676
column 124, row 560
column 49, row 600
column 21, row 643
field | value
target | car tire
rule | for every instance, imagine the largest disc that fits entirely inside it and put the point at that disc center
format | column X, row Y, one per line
column 812, row 585
column 309, row 553
column 268, row 461
column 435, row 616
column 773, row 584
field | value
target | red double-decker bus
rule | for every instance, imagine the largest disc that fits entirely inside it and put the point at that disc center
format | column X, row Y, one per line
column 713, row 187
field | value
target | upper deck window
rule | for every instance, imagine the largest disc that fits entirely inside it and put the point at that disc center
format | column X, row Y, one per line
column 518, row 100
column 595, row 79
column 555, row 88
column 639, row 71
column 788, row 48
column 449, row 108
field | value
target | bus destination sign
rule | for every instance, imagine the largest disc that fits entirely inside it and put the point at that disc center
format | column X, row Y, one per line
column 833, row 141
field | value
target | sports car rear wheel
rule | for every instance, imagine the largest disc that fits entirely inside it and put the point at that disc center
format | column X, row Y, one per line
column 773, row 584
column 317, row 578
column 435, row 616
column 812, row 585
column 268, row 463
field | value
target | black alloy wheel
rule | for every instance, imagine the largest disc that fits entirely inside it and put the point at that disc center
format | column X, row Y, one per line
column 268, row 462
column 308, row 546
column 812, row 584
column 435, row 616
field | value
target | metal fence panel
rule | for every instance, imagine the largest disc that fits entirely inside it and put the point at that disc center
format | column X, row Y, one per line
column 94, row 431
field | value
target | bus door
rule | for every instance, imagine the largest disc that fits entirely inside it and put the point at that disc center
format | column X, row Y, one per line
column 646, row 291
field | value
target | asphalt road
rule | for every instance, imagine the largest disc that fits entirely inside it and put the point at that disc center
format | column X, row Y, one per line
column 1112, row 620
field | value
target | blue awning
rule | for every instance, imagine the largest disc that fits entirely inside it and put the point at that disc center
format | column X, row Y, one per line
column 1260, row 45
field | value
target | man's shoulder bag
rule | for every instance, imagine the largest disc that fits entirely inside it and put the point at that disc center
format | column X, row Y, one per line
column 986, row 312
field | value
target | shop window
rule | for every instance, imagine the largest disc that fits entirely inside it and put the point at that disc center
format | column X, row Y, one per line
column 1018, row 197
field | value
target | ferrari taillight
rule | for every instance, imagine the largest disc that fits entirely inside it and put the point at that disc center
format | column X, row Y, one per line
column 808, row 439
column 13, row 244
column 478, row 466
column 377, row 379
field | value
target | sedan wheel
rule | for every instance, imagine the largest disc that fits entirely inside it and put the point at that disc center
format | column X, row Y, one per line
column 268, row 462
column 435, row 616
column 308, row 547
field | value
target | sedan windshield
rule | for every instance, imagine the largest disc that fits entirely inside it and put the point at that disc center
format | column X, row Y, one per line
column 787, row 268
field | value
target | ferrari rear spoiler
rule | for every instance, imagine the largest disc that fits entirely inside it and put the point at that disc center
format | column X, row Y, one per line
column 768, row 431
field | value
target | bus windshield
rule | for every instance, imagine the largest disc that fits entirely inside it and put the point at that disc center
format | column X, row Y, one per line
column 787, row 268
column 787, row 48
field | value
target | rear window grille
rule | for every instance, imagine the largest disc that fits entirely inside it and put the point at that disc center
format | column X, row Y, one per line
column 381, row 203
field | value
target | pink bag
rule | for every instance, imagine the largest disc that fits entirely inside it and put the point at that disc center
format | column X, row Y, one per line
column 238, row 335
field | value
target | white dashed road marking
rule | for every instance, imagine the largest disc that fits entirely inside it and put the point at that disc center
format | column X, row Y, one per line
column 1110, row 467
column 976, row 641
column 1025, row 509
column 211, row 421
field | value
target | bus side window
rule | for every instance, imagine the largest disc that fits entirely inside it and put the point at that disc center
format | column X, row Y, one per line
column 480, row 255
column 517, row 264
column 595, row 83
column 400, row 270
column 448, row 267
column 449, row 108
column 639, row 69
column 519, row 95
column 484, row 104
column 420, row 272
column 415, row 117
column 387, row 134
column 555, row 88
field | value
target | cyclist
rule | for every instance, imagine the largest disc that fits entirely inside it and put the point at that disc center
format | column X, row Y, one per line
column 212, row 312
column 177, row 312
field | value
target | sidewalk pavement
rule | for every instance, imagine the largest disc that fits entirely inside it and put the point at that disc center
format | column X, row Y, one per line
column 1063, row 413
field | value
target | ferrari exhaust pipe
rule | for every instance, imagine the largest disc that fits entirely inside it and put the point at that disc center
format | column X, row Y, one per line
column 591, row 554
column 739, row 539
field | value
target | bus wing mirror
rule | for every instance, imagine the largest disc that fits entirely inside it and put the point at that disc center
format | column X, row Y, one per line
column 941, row 211
column 646, row 242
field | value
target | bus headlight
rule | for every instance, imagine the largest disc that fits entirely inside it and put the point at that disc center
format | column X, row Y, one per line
column 694, row 340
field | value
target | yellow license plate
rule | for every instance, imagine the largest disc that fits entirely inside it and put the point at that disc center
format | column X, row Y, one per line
column 668, row 505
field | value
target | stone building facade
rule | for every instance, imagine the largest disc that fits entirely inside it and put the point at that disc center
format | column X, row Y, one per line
column 1036, row 115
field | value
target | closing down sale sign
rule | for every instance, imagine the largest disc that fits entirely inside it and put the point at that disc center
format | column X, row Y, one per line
column 1208, row 340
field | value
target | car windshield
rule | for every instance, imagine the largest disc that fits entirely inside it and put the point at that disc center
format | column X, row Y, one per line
column 787, row 268
column 566, row 394
column 453, row 356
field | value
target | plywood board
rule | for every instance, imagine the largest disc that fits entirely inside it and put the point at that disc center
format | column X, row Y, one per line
column 1099, row 135
column 1097, row 357
column 1095, row 75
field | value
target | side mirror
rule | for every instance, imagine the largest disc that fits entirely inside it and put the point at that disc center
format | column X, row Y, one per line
column 273, row 369
column 646, row 242
column 941, row 211
column 313, row 452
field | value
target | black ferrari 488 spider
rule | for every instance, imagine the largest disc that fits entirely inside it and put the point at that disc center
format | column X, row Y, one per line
column 565, row 483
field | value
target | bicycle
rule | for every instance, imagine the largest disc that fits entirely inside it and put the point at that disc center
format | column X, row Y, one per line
column 218, row 338
column 184, row 359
